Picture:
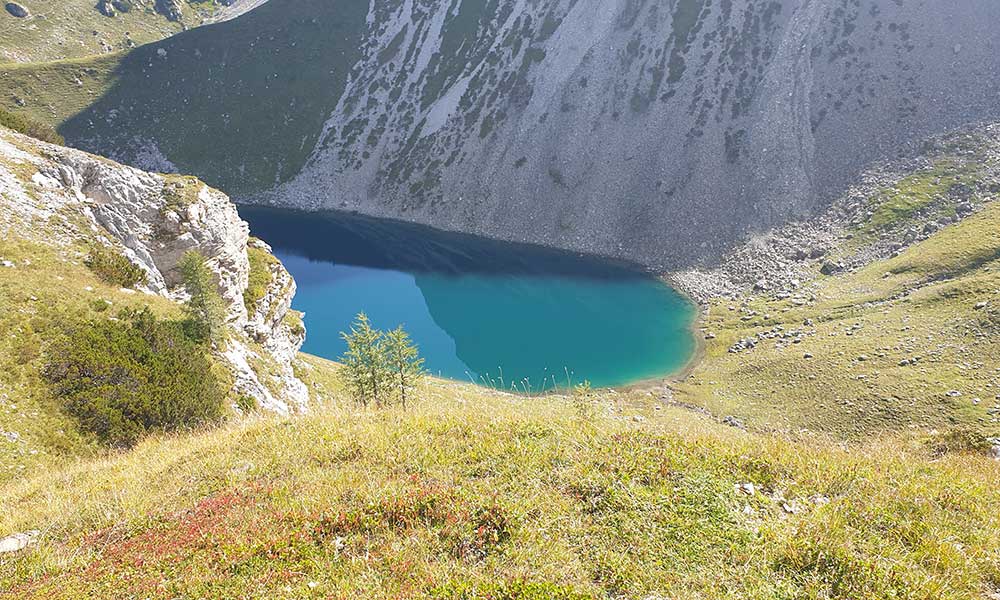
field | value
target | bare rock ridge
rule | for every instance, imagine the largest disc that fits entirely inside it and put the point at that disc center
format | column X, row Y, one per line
column 660, row 132
column 62, row 196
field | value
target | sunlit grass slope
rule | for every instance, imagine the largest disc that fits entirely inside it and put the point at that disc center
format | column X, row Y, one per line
column 51, row 92
column 474, row 494
column 45, row 290
column 75, row 28
column 908, row 342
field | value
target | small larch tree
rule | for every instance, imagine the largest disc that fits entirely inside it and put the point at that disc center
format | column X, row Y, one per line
column 206, row 313
column 380, row 367
column 404, row 361
column 365, row 362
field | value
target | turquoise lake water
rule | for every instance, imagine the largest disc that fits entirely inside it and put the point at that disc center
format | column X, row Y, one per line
column 504, row 315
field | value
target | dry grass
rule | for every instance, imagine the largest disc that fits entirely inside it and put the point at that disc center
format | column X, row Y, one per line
column 475, row 490
column 920, row 305
column 75, row 28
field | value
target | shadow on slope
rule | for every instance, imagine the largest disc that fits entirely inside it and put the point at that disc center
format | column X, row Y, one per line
column 239, row 103
column 350, row 239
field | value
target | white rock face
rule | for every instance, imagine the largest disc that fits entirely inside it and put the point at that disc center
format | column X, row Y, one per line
column 154, row 220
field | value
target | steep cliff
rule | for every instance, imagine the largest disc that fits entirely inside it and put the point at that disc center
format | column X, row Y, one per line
column 656, row 131
column 64, row 198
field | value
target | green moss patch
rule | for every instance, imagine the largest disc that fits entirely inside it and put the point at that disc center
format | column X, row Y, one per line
column 261, row 265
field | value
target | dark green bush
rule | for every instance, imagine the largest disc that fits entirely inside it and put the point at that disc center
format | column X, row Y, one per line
column 962, row 441
column 247, row 404
column 22, row 124
column 122, row 379
column 112, row 267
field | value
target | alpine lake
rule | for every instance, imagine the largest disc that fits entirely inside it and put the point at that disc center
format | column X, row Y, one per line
column 509, row 316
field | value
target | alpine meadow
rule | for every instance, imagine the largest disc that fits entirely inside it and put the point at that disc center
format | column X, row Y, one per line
column 500, row 299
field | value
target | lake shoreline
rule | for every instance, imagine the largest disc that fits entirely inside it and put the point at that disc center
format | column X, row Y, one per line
column 472, row 304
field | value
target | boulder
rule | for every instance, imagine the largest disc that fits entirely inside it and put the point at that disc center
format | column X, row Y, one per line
column 171, row 9
column 17, row 10
column 733, row 422
column 830, row 267
column 17, row 541
column 105, row 8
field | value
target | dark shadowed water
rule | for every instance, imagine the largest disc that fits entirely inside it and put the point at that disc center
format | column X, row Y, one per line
column 507, row 315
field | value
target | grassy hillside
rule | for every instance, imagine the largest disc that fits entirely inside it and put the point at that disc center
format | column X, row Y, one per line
column 76, row 28
column 473, row 494
column 236, row 131
column 51, row 290
column 884, row 348
column 476, row 494
column 52, row 92
column 900, row 343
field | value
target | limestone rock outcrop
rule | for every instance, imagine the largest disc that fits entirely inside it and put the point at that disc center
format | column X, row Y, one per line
column 154, row 220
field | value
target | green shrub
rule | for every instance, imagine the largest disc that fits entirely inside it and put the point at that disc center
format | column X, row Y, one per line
column 22, row 124
column 26, row 347
column 293, row 321
column 112, row 267
column 246, row 404
column 206, row 313
column 122, row 379
column 961, row 440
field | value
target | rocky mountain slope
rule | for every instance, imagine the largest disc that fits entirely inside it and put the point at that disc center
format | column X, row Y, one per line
column 881, row 313
column 58, row 201
column 659, row 132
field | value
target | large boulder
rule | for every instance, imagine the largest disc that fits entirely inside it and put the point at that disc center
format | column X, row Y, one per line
column 105, row 8
column 171, row 9
column 17, row 10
